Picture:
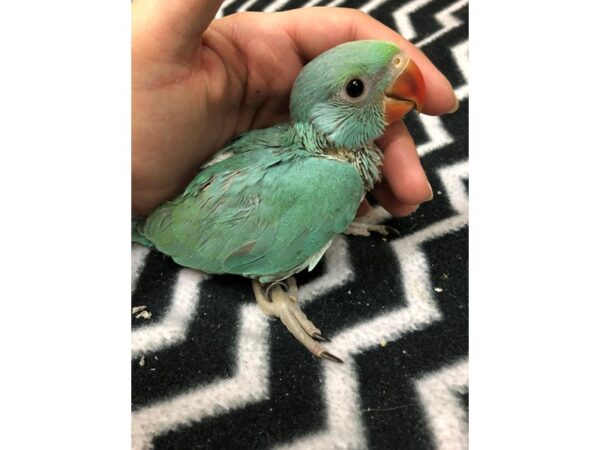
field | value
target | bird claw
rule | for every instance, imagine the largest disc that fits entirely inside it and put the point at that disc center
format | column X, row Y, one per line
column 319, row 337
column 391, row 230
column 279, row 299
column 365, row 229
column 331, row 357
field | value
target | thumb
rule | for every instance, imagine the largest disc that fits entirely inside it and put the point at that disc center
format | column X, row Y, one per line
column 170, row 29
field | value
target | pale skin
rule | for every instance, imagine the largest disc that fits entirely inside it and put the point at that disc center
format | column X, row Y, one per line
column 198, row 82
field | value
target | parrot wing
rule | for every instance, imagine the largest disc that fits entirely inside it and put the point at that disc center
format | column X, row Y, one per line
column 263, row 213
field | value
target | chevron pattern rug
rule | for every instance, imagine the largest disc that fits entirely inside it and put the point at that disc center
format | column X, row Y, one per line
column 211, row 371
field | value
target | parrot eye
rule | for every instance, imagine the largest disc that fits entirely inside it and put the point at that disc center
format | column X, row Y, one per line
column 355, row 88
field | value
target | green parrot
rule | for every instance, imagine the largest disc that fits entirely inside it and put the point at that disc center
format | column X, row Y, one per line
column 269, row 203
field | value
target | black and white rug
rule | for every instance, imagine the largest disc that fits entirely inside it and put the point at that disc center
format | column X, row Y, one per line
column 211, row 371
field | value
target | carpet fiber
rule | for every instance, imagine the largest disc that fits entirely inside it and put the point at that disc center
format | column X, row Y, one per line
column 211, row 371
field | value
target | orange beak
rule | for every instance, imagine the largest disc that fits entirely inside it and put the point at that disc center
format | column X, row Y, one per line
column 406, row 92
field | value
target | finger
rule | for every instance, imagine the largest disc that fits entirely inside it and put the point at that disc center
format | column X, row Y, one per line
column 315, row 30
column 170, row 29
column 363, row 208
column 402, row 167
column 386, row 198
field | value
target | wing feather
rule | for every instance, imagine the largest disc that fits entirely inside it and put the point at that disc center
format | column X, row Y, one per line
column 263, row 212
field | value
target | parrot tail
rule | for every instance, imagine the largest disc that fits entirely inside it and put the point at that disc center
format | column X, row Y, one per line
column 136, row 236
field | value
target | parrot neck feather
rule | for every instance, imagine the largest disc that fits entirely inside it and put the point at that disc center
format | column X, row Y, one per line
column 367, row 159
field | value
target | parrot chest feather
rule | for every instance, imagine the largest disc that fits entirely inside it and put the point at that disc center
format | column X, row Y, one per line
column 367, row 161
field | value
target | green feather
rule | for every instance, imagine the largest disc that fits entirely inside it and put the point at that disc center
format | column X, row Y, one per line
column 262, row 213
column 269, row 203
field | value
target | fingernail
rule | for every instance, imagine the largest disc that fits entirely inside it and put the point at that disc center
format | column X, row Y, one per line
column 456, row 105
column 430, row 192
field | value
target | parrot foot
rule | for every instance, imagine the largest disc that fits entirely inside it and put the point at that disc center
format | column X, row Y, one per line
column 279, row 300
column 365, row 229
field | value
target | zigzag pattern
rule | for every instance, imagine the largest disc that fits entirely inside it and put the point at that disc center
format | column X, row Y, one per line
column 440, row 394
column 344, row 428
column 173, row 327
column 250, row 381
column 249, row 384
column 211, row 371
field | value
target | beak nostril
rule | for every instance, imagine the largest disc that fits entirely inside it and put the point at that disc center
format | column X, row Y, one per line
column 397, row 61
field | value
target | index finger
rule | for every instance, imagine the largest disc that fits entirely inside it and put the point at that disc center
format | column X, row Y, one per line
column 170, row 29
column 316, row 30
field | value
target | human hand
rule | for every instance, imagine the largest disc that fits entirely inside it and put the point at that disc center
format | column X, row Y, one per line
column 196, row 83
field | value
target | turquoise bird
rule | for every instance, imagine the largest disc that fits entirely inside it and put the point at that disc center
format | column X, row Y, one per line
column 269, row 203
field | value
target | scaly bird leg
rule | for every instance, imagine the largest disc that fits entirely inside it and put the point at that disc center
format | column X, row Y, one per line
column 365, row 229
column 279, row 300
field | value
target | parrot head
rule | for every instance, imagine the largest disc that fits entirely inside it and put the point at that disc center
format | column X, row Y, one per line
column 349, row 94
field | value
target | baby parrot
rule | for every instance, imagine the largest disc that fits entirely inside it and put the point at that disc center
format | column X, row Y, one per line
column 269, row 204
